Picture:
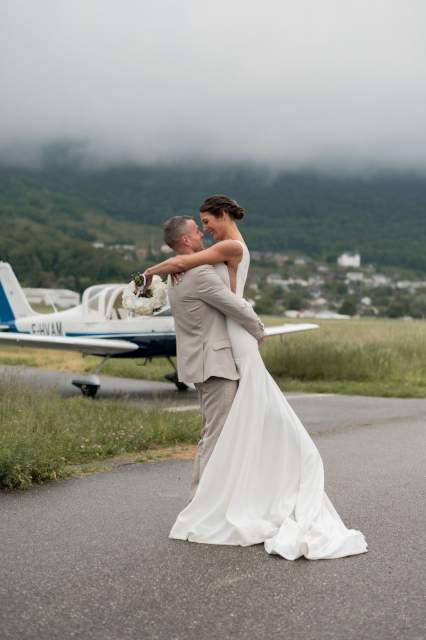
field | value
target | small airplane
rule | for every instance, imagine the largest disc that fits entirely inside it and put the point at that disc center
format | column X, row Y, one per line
column 99, row 326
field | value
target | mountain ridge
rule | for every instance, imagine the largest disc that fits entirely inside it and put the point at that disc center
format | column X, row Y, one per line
column 53, row 215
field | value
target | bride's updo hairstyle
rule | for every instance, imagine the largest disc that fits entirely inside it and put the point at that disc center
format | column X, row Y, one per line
column 216, row 204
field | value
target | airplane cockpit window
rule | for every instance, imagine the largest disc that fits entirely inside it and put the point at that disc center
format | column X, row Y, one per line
column 93, row 303
column 107, row 296
column 93, row 299
column 114, row 304
column 105, row 302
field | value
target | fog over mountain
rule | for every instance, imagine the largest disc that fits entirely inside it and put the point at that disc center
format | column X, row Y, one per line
column 338, row 85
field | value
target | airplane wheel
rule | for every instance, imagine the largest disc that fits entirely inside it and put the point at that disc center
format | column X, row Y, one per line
column 172, row 377
column 89, row 390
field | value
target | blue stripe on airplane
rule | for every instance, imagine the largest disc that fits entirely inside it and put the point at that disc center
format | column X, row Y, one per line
column 151, row 334
column 6, row 313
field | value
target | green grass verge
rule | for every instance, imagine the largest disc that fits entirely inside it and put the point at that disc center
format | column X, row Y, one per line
column 365, row 357
column 374, row 357
column 42, row 435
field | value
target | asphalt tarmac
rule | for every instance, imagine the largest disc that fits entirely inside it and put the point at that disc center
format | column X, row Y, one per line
column 140, row 391
column 90, row 557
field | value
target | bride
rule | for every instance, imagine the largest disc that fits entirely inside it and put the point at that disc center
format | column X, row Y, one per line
column 264, row 482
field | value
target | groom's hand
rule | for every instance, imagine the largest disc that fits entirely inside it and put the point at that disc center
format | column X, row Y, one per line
column 177, row 277
column 261, row 340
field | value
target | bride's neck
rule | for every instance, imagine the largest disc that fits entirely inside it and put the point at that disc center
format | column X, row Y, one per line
column 232, row 233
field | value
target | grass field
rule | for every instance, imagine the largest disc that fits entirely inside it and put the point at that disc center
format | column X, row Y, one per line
column 44, row 437
column 365, row 356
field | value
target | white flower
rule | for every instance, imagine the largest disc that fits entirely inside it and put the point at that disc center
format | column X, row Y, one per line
column 141, row 304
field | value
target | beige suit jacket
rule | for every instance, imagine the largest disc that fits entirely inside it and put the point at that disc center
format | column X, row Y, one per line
column 199, row 303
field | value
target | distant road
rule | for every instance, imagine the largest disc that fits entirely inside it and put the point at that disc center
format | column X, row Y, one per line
column 145, row 392
column 90, row 558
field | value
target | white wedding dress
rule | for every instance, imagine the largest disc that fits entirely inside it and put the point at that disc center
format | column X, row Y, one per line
column 264, row 481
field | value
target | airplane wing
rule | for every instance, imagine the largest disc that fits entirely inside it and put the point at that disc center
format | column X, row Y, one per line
column 104, row 347
column 289, row 328
column 92, row 346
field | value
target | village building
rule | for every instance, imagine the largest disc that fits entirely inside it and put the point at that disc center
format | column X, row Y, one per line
column 351, row 260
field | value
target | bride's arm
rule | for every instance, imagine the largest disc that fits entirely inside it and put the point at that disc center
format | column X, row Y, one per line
column 220, row 252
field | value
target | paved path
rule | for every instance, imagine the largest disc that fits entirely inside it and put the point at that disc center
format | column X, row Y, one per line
column 89, row 558
column 318, row 415
column 141, row 391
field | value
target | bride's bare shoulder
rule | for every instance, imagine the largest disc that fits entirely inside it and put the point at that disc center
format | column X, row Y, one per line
column 221, row 251
column 230, row 247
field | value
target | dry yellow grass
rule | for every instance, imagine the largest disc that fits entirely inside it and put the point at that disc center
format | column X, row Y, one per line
column 177, row 452
column 43, row 358
column 75, row 362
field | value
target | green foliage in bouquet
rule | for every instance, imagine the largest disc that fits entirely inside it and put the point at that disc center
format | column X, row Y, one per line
column 139, row 280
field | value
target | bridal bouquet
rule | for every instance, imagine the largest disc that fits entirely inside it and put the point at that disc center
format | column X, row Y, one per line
column 144, row 298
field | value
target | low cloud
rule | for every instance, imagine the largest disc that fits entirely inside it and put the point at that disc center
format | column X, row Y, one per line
column 337, row 84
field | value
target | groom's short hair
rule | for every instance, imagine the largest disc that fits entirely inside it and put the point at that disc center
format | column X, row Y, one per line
column 174, row 228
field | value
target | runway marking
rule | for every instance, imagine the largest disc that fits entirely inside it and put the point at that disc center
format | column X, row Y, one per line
column 188, row 407
column 192, row 407
column 309, row 395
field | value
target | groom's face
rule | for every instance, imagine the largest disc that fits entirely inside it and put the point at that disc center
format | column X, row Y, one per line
column 195, row 236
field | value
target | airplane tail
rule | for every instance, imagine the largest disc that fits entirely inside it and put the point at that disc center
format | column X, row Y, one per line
column 13, row 303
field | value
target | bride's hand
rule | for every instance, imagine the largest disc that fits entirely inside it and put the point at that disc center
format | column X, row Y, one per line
column 261, row 340
column 148, row 280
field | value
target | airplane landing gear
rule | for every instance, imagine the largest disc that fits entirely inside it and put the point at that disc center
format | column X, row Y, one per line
column 90, row 383
column 87, row 388
column 173, row 377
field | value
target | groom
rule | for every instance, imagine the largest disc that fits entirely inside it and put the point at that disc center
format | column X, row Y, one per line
column 199, row 302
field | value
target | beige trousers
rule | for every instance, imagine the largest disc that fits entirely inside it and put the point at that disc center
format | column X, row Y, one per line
column 216, row 396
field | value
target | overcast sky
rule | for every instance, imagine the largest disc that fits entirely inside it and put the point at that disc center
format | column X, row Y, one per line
column 289, row 83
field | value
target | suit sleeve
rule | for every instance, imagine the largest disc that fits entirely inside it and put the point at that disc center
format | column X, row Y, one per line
column 210, row 288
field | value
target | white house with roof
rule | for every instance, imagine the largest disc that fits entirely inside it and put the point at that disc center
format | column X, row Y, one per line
column 352, row 260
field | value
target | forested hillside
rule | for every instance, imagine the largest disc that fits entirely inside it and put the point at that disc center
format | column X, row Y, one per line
column 50, row 217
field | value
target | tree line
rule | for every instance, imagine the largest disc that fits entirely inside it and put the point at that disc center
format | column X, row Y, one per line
column 51, row 216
